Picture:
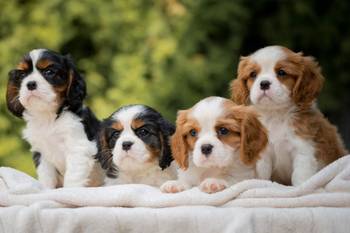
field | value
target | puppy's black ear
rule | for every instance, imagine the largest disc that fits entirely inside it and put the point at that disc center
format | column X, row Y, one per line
column 76, row 90
column 167, row 129
column 104, row 155
column 12, row 94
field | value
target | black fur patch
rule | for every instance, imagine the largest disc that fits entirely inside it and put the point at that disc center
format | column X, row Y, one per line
column 36, row 158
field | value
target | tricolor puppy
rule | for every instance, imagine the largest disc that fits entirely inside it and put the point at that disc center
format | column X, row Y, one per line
column 283, row 87
column 216, row 144
column 47, row 91
column 134, row 146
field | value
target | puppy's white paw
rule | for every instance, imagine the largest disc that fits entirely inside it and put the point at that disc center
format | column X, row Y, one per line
column 212, row 185
column 173, row 186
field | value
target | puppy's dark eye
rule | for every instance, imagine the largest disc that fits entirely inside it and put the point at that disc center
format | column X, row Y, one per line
column 193, row 132
column 49, row 72
column 143, row 132
column 281, row 73
column 22, row 74
column 253, row 74
column 223, row 131
column 115, row 134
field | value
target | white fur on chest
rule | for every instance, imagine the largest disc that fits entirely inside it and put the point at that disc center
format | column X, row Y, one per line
column 284, row 145
column 56, row 139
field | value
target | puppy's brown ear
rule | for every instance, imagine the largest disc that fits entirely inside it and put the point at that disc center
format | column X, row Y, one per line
column 12, row 94
column 104, row 155
column 253, row 138
column 179, row 145
column 239, row 89
column 309, row 84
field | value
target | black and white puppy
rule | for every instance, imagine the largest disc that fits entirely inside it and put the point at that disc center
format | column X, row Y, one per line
column 47, row 91
column 134, row 146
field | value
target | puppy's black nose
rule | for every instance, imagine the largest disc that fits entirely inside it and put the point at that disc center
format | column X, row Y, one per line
column 127, row 145
column 206, row 149
column 31, row 85
column 265, row 85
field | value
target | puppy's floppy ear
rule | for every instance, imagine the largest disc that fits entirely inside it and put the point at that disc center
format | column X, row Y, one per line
column 309, row 84
column 12, row 94
column 239, row 89
column 179, row 145
column 104, row 155
column 76, row 90
column 253, row 136
column 167, row 129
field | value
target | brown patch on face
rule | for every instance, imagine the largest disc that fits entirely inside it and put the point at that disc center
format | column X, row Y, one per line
column 313, row 126
column 137, row 123
column 241, row 86
column 117, row 126
column 182, row 142
column 43, row 63
column 23, row 65
column 246, row 132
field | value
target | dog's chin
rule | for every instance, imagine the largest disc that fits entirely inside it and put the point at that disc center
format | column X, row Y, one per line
column 210, row 162
column 129, row 162
column 38, row 104
column 268, row 101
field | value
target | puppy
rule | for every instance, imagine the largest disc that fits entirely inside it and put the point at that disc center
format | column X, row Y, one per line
column 47, row 91
column 216, row 144
column 283, row 87
column 134, row 147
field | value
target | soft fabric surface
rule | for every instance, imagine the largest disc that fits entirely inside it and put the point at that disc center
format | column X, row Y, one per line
column 285, row 208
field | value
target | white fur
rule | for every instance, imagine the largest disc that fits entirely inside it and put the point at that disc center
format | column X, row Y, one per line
column 66, row 152
column 222, row 168
column 288, row 156
column 134, row 165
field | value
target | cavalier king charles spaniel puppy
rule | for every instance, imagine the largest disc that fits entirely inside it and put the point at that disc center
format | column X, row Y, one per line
column 47, row 91
column 282, row 86
column 134, row 147
column 216, row 144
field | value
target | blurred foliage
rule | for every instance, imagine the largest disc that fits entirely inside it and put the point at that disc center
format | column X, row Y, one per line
column 169, row 53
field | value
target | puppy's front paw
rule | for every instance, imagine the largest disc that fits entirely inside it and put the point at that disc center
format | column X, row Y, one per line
column 212, row 185
column 173, row 186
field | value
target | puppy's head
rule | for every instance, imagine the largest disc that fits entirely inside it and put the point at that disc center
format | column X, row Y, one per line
column 276, row 77
column 44, row 81
column 134, row 136
column 215, row 131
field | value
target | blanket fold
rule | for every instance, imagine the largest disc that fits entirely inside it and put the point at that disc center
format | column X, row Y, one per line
column 330, row 187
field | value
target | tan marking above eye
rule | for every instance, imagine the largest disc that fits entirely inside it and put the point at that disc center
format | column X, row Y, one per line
column 44, row 63
column 137, row 123
column 117, row 126
column 23, row 65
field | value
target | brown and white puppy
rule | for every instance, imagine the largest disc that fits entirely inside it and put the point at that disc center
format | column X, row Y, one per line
column 216, row 144
column 47, row 91
column 283, row 86
column 134, row 147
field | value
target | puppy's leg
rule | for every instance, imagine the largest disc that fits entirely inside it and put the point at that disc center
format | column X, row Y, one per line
column 304, row 166
column 78, row 169
column 213, row 185
column 174, row 186
column 47, row 174
column 264, row 167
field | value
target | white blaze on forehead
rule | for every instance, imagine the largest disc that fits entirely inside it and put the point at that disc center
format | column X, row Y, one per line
column 207, row 111
column 35, row 55
column 126, row 115
column 268, row 57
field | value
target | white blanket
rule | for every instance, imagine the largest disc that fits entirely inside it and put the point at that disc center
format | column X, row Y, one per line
column 302, row 209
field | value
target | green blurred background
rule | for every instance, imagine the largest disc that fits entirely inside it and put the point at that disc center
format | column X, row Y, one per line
column 169, row 53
